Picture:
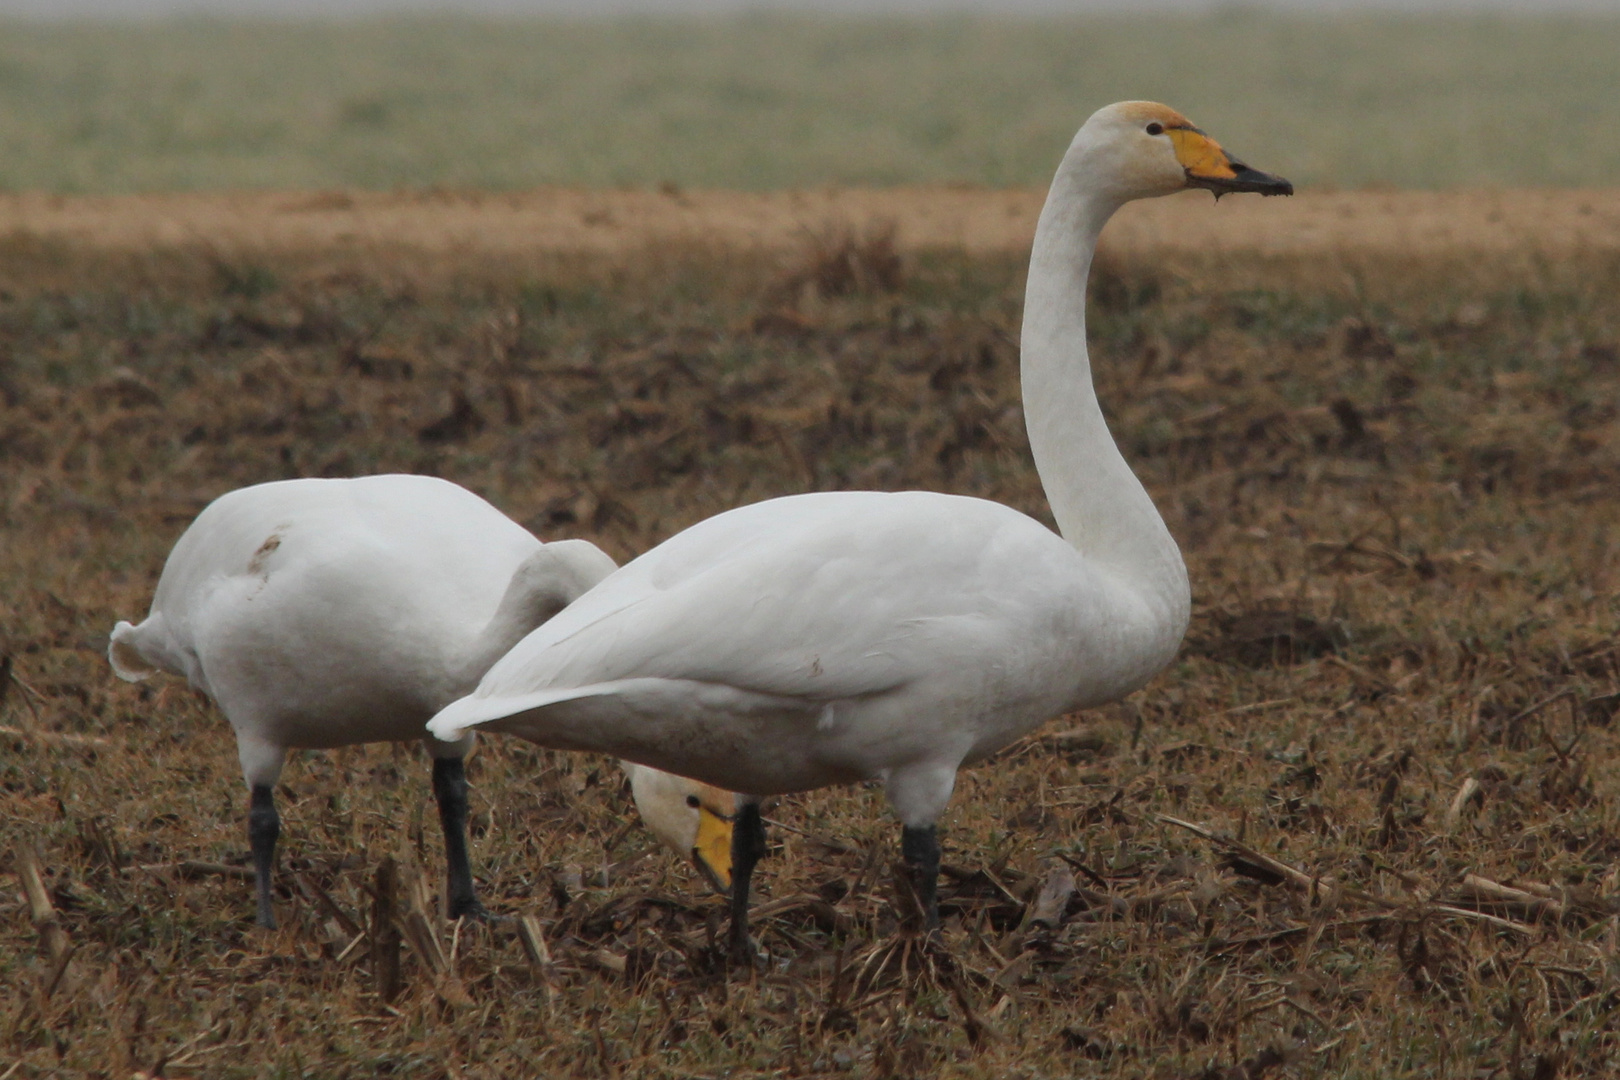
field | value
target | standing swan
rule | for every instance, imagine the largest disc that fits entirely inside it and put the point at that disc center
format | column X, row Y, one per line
column 835, row 637
column 320, row 613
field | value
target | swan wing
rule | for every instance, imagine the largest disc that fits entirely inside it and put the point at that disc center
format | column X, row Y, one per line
column 805, row 600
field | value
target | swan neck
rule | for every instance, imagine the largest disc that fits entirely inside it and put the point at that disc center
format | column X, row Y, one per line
column 1098, row 503
column 523, row 607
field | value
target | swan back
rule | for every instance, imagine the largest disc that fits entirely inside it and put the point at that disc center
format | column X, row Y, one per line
column 322, row 612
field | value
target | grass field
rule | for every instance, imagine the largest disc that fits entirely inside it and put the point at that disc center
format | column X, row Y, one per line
column 774, row 102
column 1395, row 481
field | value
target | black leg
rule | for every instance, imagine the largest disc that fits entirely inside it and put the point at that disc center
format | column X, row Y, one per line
column 747, row 848
column 919, row 848
column 264, row 827
column 450, row 790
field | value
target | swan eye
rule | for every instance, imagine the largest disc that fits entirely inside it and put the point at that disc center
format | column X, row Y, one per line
column 692, row 801
column 1155, row 128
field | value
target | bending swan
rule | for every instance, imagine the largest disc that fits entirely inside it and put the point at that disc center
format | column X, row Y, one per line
column 829, row 638
column 320, row 613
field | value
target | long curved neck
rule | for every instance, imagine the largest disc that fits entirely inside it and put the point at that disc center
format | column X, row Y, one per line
column 1099, row 504
column 550, row 579
column 522, row 608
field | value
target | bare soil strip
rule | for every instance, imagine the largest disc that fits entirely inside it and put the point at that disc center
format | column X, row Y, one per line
column 564, row 220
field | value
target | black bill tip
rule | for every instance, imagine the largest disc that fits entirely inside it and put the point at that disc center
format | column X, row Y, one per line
column 710, row 878
column 1244, row 179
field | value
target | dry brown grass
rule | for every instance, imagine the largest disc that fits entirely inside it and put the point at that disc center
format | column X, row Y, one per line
column 464, row 226
column 1396, row 482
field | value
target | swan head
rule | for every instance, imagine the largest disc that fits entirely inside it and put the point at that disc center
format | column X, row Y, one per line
column 1141, row 149
column 691, row 819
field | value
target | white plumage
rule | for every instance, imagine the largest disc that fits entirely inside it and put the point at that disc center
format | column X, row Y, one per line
column 776, row 648
column 320, row 613
column 828, row 638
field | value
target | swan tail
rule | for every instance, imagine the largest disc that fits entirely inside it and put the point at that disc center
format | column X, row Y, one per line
column 138, row 652
column 460, row 716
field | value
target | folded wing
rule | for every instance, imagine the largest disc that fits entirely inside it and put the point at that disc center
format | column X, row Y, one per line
column 807, row 600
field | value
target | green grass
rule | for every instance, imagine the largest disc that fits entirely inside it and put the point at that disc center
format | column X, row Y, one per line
column 770, row 102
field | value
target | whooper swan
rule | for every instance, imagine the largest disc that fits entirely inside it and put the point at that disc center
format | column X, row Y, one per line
column 835, row 637
column 321, row 613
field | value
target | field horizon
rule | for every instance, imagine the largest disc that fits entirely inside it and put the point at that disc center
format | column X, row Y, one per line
column 458, row 227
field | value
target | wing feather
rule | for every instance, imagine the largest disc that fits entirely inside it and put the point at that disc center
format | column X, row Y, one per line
column 814, row 598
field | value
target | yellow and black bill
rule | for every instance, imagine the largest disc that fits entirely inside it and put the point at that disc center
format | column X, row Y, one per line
column 711, row 854
column 1208, row 166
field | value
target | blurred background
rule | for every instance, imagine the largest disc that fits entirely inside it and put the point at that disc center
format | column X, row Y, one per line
column 153, row 95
